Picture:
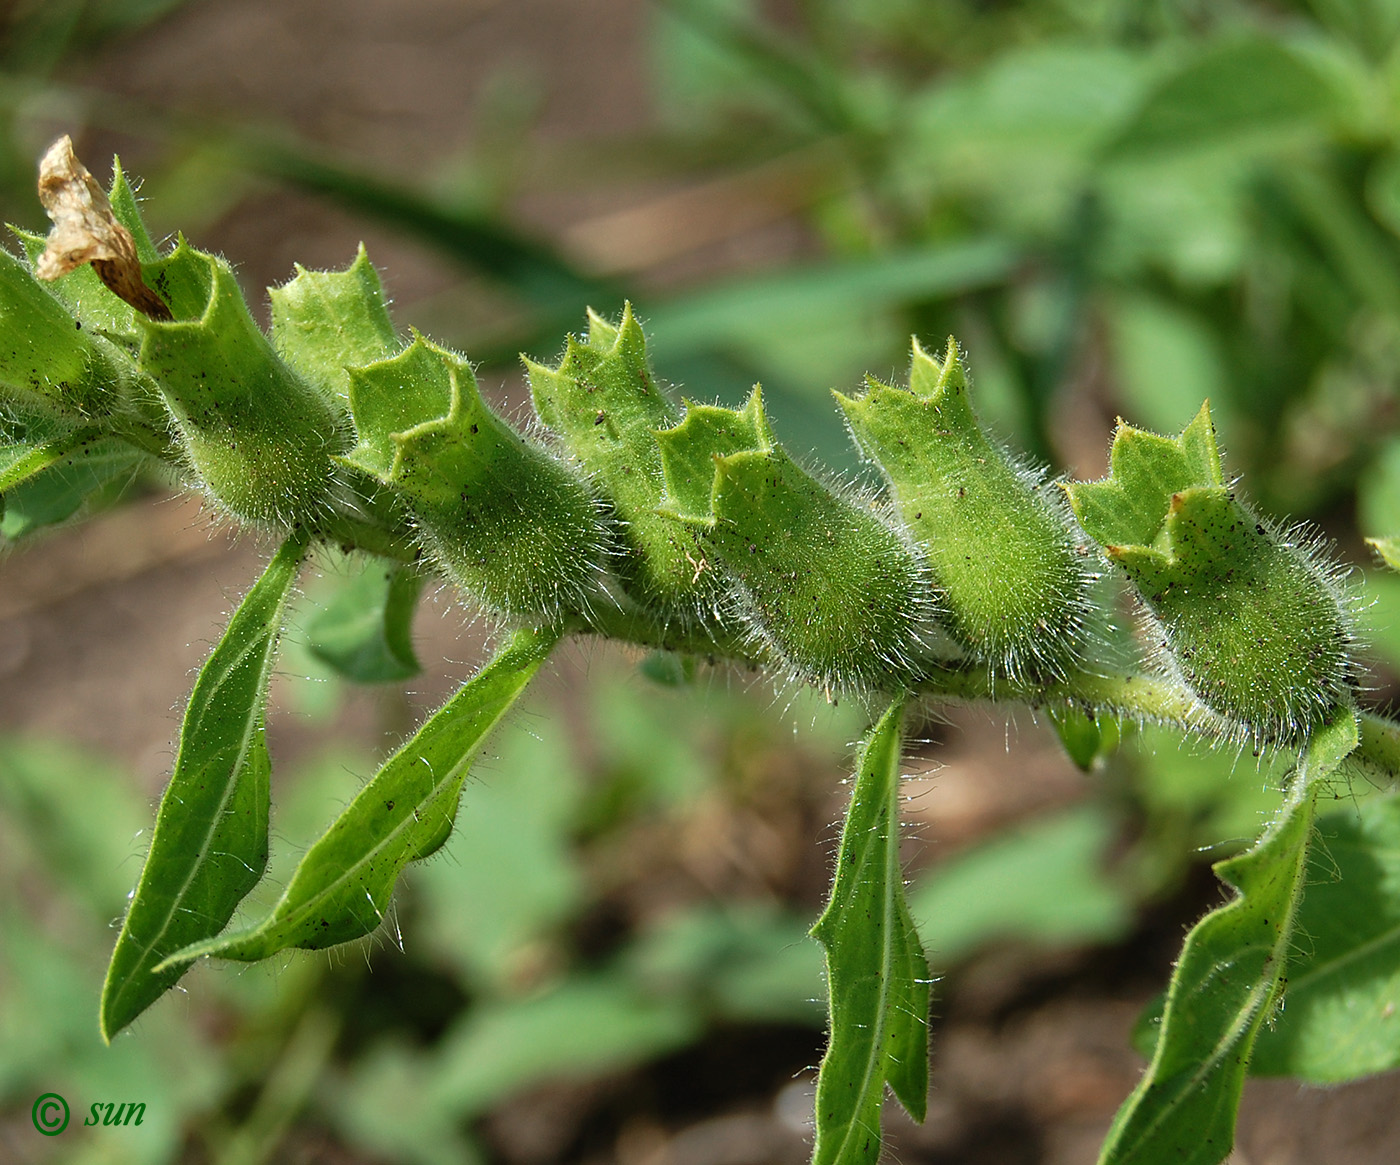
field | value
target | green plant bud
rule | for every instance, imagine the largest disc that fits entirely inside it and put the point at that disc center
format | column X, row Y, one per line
column 604, row 402
column 324, row 322
column 258, row 435
column 826, row 583
column 1255, row 624
column 504, row 518
column 1013, row 583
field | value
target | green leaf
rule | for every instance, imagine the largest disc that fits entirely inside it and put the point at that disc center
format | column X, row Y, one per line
column 366, row 631
column 1231, row 93
column 91, row 470
column 1227, row 982
column 22, row 461
column 750, row 312
column 342, row 886
column 1388, row 549
column 508, row 878
column 210, row 842
column 877, row 974
column 1341, row 1013
column 1044, row 882
column 481, row 242
column 1084, row 735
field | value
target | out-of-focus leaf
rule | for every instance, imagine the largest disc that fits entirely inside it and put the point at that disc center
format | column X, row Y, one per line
column 528, row 268
column 877, row 975
column 91, row 472
column 1340, row 1017
column 78, row 815
column 1378, row 494
column 365, row 632
column 1229, row 976
column 1389, row 550
column 1167, row 361
column 585, row 1027
column 342, row 886
column 1042, row 883
column 1232, row 92
column 1085, row 737
column 210, row 842
column 508, row 873
column 588, row 1025
column 751, row 311
column 743, row 964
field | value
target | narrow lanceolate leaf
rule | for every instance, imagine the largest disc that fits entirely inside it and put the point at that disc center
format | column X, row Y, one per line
column 876, row 970
column 342, row 887
column 1227, row 982
column 1342, row 1013
column 210, row 842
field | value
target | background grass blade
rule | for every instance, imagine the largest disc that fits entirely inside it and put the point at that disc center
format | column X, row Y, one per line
column 342, row 887
column 1229, row 977
column 210, row 842
column 876, row 970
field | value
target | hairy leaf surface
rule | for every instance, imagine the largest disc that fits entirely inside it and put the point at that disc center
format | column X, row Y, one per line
column 878, row 977
column 1341, row 1013
column 342, row 887
column 210, row 842
column 1227, row 981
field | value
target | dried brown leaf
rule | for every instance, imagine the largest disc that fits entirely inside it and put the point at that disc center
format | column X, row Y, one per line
column 86, row 231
